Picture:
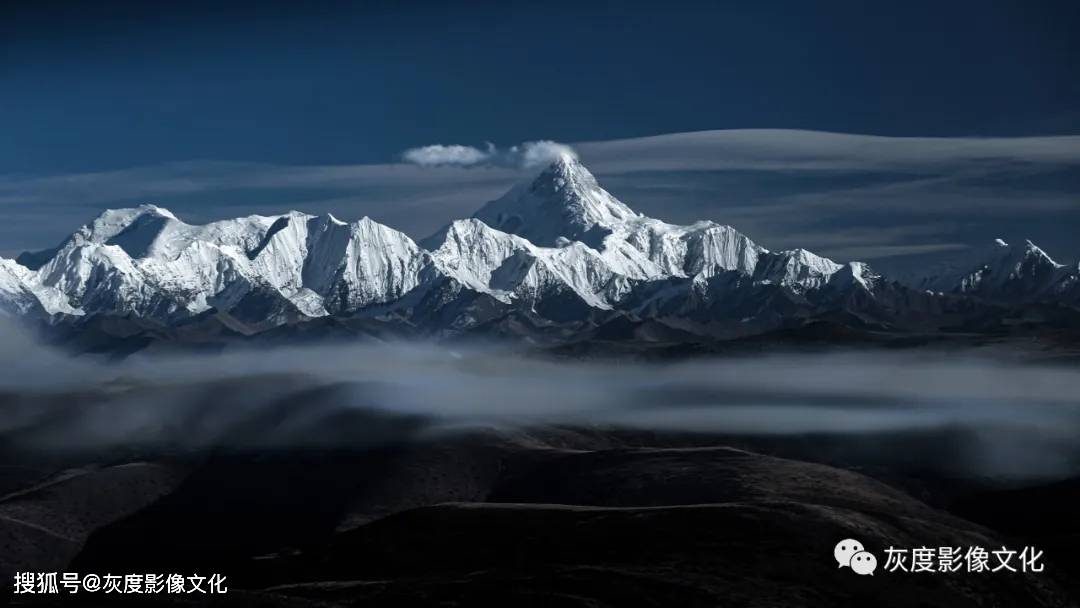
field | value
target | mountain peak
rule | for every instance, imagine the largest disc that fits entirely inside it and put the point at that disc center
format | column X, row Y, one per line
column 566, row 171
column 112, row 222
column 1033, row 249
column 563, row 200
column 1003, row 253
column 1002, row 247
column 999, row 271
column 567, row 165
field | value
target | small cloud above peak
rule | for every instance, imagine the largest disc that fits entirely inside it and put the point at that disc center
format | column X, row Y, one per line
column 538, row 153
column 527, row 155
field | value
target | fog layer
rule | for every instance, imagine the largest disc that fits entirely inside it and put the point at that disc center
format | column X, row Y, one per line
column 1017, row 420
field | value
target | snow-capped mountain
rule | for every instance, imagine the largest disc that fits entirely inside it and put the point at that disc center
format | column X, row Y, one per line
column 556, row 251
column 565, row 204
column 146, row 262
column 15, row 296
column 1007, row 273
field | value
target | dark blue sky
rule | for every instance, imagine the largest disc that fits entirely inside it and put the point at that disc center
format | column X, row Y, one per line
column 91, row 86
column 218, row 111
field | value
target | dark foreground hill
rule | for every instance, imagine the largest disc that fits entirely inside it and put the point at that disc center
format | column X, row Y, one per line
column 549, row 517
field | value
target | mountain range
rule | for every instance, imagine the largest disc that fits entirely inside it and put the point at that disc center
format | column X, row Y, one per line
column 556, row 258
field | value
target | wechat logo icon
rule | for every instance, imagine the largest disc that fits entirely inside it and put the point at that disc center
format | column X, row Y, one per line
column 851, row 553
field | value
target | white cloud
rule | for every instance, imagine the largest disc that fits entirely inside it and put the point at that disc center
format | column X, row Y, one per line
column 527, row 155
column 438, row 154
column 537, row 153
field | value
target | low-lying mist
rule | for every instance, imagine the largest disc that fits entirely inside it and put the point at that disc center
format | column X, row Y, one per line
column 1017, row 420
